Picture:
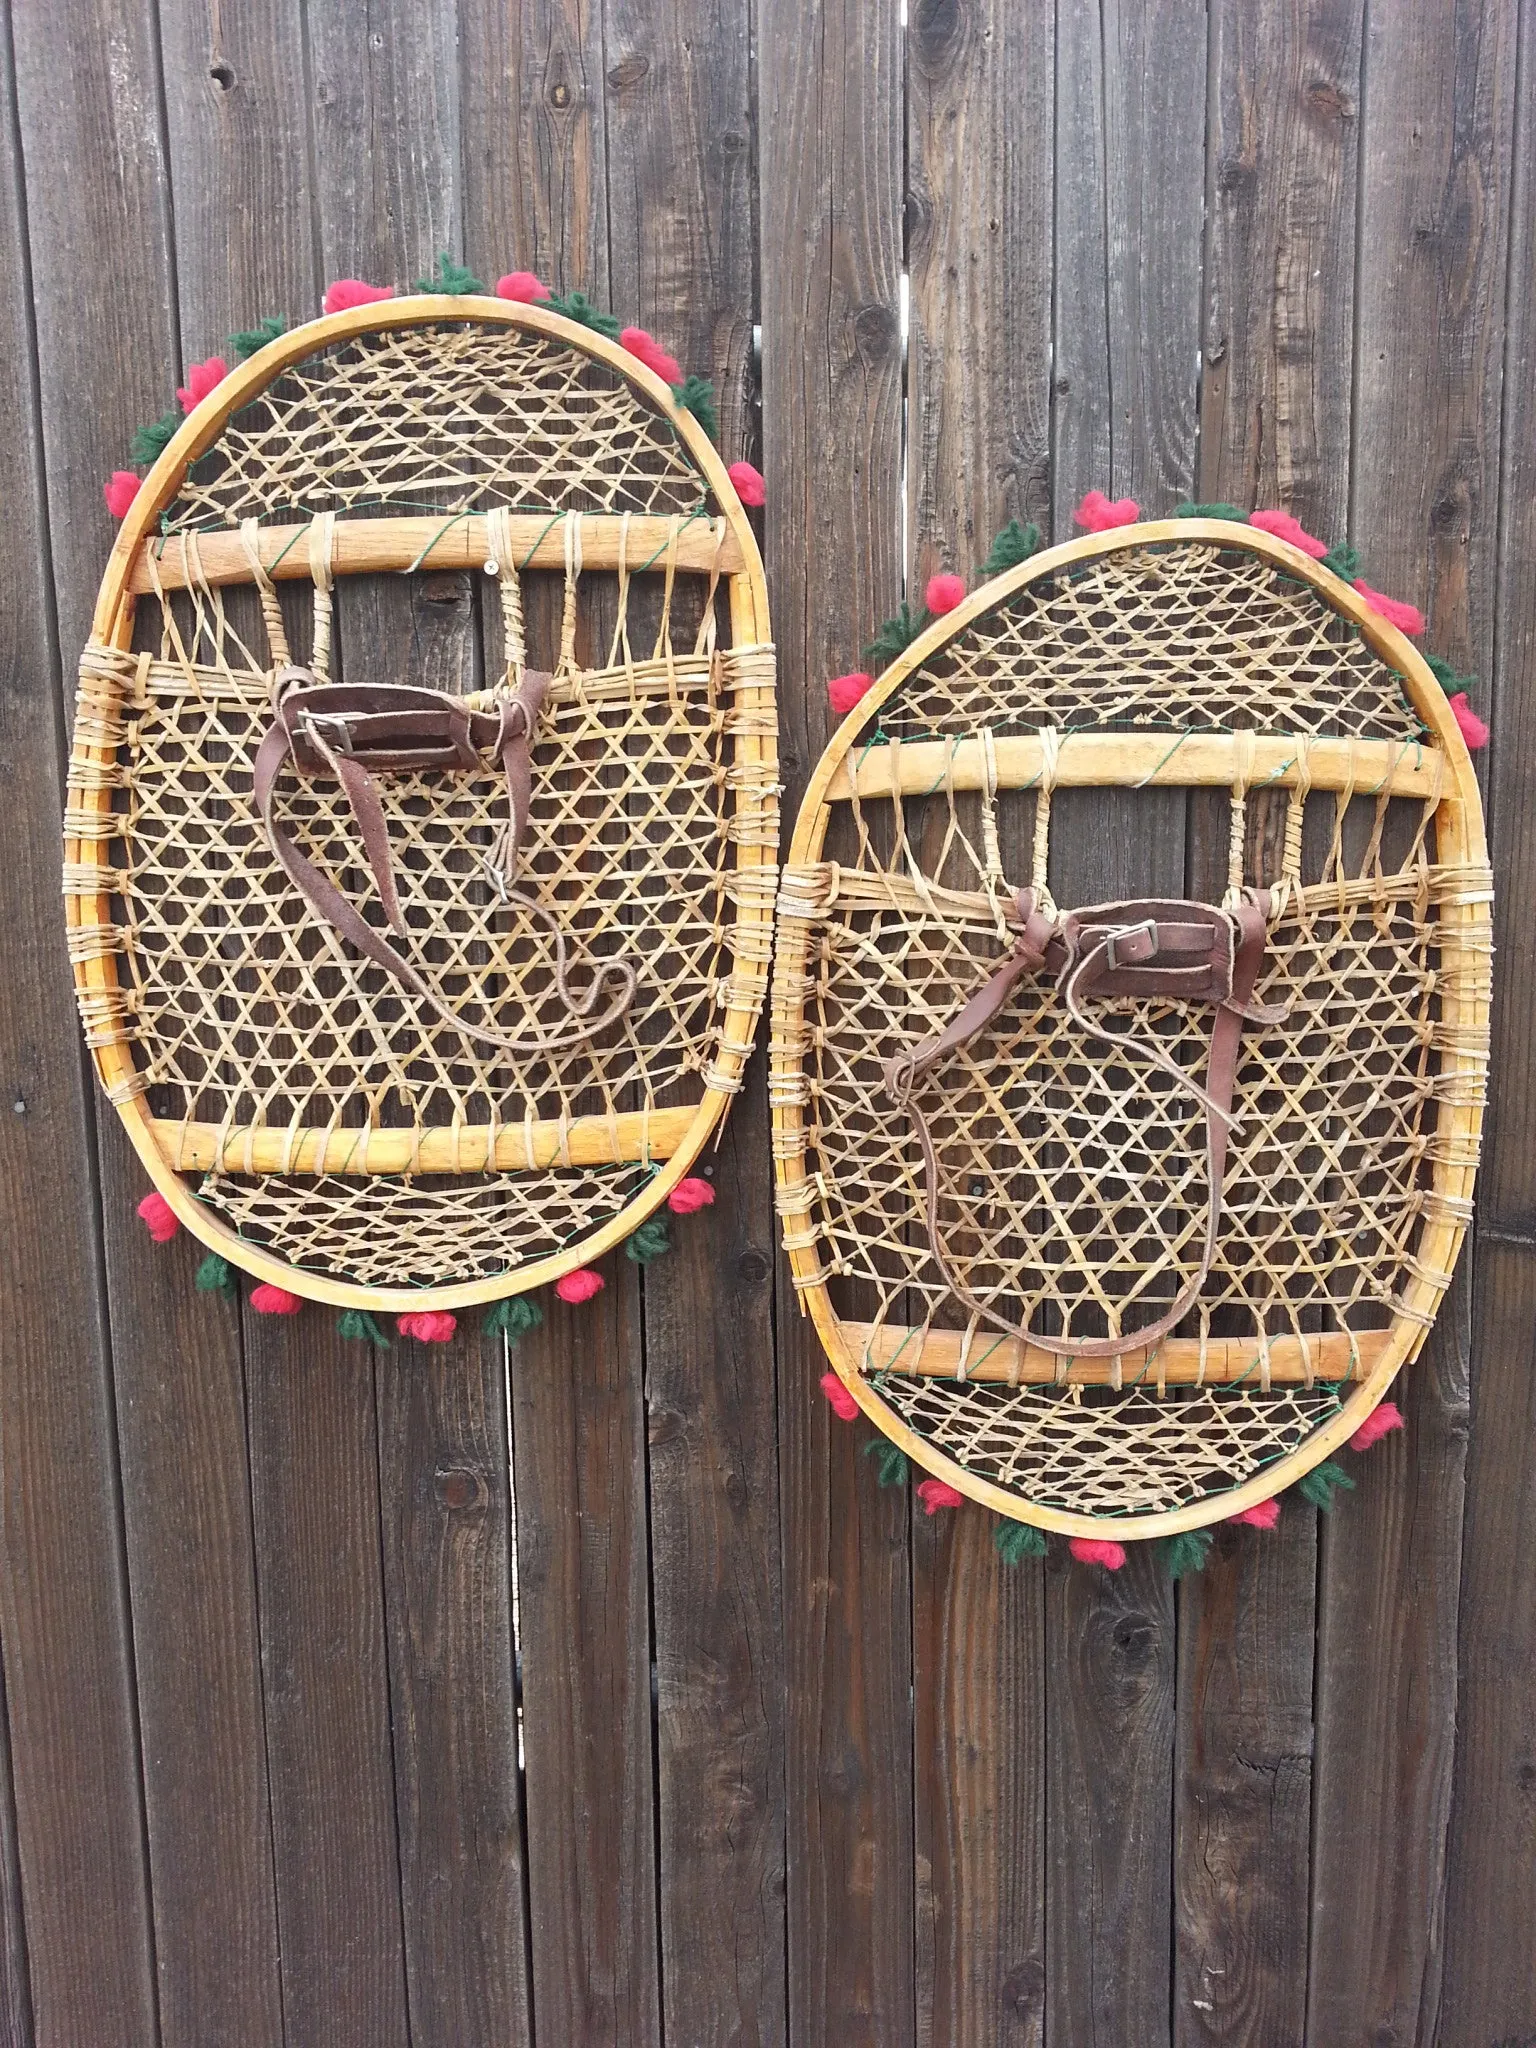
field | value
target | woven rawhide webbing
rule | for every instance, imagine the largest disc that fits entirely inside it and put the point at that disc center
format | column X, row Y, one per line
column 1120, row 1216
column 413, row 992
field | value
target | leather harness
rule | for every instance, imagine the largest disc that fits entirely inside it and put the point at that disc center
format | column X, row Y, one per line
column 352, row 731
column 1186, row 951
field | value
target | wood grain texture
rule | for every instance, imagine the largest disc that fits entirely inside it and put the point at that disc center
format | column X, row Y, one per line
column 537, row 196
column 445, row 1499
column 678, row 120
column 15, row 1990
column 1490, row 1962
column 979, row 212
column 1438, row 103
column 1129, row 188
column 578, row 1437
column 81, row 114
column 236, row 149
column 1282, row 158
column 830, row 181
column 1282, row 164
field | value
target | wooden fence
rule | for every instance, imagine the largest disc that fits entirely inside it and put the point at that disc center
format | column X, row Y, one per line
column 768, row 1757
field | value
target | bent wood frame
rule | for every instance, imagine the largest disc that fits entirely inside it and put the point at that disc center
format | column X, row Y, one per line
column 156, row 1141
column 1119, row 760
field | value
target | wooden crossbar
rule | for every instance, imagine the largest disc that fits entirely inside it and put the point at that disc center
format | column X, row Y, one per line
column 585, row 1141
column 382, row 546
column 1145, row 760
column 1331, row 1355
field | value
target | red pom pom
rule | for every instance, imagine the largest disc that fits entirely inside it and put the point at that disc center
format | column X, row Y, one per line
column 689, row 1195
column 650, row 352
column 1406, row 617
column 944, row 593
column 427, row 1325
column 120, row 490
column 839, row 1399
column 268, row 1300
column 1284, row 527
column 580, row 1285
column 1094, row 1549
column 1381, row 1422
column 1264, row 1514
column 351, row 291
column 1473, row 730
column 1098, row 513
column 750, row 487
column 938, row 1493
column 845, row 691
column 522, row 287
column 201, row 379
column 159, row 1218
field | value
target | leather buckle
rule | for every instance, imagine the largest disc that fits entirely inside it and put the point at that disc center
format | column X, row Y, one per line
column 1130, row 945
column 337, row 737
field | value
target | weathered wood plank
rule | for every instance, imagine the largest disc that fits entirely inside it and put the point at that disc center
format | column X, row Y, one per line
column 979, row 210
column 1275, row 400
column 1130, row 134
column 537, row 198
column 86, row 103
column 15, row 1990
column 389, row 184
column 1437, row 105
column 577, row 1430
column 683, row 262
column 237, row 148
column 830, row 178
column 1490, row 1960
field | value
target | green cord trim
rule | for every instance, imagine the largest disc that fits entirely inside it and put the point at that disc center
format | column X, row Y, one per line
column 1014, row 1541
column 216, row 1276
column 516, row 1314
column 1191, row 511
column 650, row 1241
column 1013, row 545
column 697, row 395
column 1186, row 1552
column 578, row 307
column 453, row 279
column 358, row 1327
column 1343, row 560
column 890, row 1458
column 897, row 634
column 1319, row 1484
column 251, row 339
column 150, row 442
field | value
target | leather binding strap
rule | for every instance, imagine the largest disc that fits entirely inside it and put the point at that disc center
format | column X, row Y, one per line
column 1192, row 952
column 346, row 730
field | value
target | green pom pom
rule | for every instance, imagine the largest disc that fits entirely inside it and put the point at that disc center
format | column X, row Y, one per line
column 250, row 339
column 150, row 442
column 451, row 278
column 357, row 1325
column 697, row 395
column 215, row 1276
column 1186, row 1552
column 650, row 1241
column 1015, row 1541
column 1189, row 511
column 1343, row 560
column 516, row 1314
column 891, row 1459
column 1319, row 1484
column 1013, row 545
column 897, row 634
column 578, row 307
